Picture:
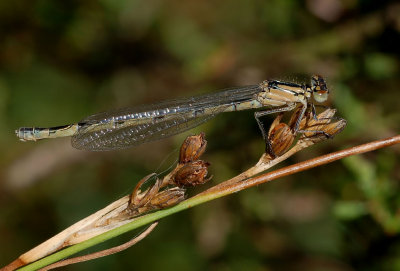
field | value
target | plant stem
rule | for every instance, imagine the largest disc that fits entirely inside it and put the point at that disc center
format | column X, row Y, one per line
column 212, row 194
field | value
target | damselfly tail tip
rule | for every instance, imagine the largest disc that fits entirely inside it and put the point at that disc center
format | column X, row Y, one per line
column 18, row 134
column 21, row 133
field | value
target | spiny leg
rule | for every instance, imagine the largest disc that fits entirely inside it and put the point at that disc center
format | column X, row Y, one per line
column 300, row 117
column 316, row 132
column 321, row 120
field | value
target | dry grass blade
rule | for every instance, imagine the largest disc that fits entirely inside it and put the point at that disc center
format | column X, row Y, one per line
column 102, row 253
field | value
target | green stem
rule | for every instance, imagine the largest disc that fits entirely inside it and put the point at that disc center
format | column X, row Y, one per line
column 139, row 222
column 211, row 195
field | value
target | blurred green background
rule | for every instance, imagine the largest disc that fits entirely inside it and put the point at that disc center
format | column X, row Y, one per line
column 63, row 60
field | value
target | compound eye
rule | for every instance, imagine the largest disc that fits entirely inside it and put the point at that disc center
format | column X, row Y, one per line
column 320, row 91
column 320, row 96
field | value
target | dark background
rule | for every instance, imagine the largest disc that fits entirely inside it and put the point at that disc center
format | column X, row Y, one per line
column 63, row 60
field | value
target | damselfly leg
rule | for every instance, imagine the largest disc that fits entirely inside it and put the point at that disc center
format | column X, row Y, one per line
column 259, row 114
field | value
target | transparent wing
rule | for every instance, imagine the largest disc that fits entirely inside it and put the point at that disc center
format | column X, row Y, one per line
column 90, row 138
column 228, row 96
column 155, row 121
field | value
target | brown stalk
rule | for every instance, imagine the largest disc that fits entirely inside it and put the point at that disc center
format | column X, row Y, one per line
column 102, row 253
column 230, row 187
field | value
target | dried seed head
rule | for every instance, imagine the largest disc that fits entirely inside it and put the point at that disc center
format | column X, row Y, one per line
column 321, row 127
column 335, row 127
column 193, row 173
column 192, row 148
column 280, row 139
column 325, row 131
column 140, row 197
column 313, row 128
column 167, row 198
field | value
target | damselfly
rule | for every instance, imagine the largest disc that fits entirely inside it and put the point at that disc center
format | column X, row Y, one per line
column 131, row 126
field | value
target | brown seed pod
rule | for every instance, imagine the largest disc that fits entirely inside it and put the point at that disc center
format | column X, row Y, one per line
column 167, row 198
column 192, row 148
column 280, row 137
column 191, row 174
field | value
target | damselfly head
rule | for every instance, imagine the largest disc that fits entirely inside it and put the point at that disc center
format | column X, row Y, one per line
column 319, row 89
